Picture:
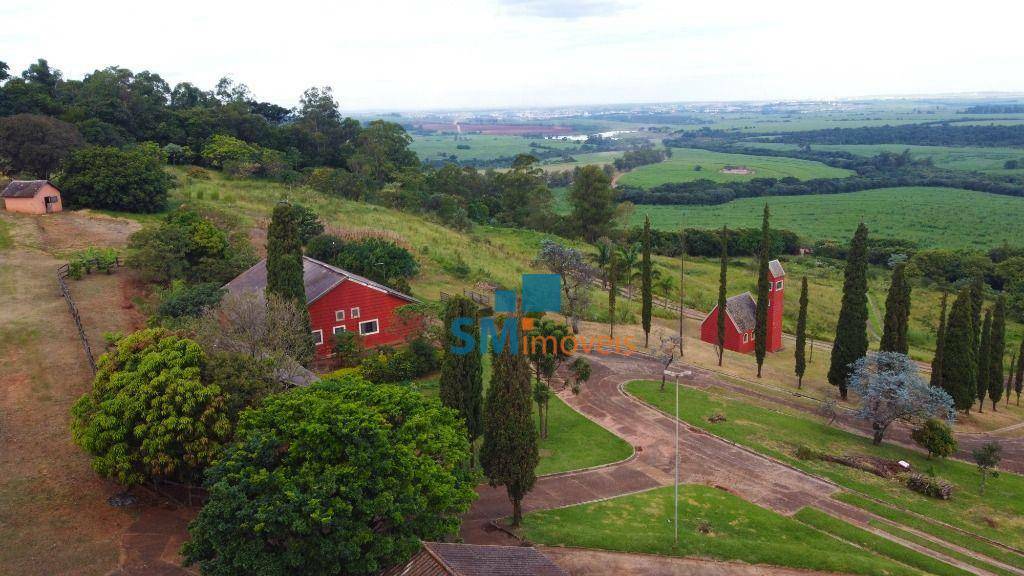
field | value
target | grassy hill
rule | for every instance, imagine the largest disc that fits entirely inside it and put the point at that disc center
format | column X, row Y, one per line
column 932, row 217
column 681, row 167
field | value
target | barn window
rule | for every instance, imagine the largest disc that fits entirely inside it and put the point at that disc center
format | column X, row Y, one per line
column 778, row 285
column 337, row 329
column 354, row 313
column 318, row 337
column 339, row 315
column 746, row 337
column 368, row 327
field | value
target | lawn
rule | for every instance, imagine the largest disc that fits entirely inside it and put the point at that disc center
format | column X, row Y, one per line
column 999, row 515
column 576, row 442
column 681, row 167
column 735, row 530
column 481, row 147
column 932, row 217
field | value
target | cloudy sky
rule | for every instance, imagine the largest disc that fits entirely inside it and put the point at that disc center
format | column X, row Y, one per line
column 384, row 55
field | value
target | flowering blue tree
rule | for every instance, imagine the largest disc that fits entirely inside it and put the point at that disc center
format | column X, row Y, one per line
column 890, row 389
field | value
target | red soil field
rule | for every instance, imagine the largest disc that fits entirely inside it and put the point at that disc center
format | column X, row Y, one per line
column 497, row 129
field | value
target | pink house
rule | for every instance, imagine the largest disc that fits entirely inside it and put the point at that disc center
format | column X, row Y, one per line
column 32, row 197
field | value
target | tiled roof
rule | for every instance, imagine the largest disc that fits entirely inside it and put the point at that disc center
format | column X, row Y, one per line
column 23, row 188
column 438, row 558
column 318, row 277
column 743, row 310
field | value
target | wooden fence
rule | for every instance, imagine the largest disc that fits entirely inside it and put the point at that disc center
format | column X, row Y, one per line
column 62, row 274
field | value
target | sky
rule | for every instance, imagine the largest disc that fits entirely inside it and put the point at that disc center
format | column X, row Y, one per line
column 462, row 54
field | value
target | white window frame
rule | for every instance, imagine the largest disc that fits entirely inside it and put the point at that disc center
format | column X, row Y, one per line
column 318, row 336
column 377, row 331
column 778, row 285
column 746, row 337
column 339, row 328
column 339, row 315
column 354, row 313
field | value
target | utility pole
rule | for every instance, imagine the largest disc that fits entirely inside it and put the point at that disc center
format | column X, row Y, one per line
column 676, row 375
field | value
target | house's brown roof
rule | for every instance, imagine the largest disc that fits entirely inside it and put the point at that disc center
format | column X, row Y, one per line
column 775, row 268
column 318, row 277
column 24, row 188
column 743, row 310
column 442, row 559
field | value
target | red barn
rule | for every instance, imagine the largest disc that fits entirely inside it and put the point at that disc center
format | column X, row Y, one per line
column 740, row 312
column 340, row 300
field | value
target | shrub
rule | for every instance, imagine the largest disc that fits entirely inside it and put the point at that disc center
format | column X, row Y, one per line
column 807, row 453
column 382, row 367
column 112, row 179
column 197, row 173
column 183, row 300
column 348, row 348
column 931, row 487
column 91, row 259
column 425, row 358
column 936, row 437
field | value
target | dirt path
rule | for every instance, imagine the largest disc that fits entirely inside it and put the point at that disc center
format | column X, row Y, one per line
column 588, row 562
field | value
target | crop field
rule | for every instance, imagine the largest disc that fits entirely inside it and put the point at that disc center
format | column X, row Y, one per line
column 598, row 158
column 684, row 163
column 952, row 157
column 932, row 217
column 481, row 147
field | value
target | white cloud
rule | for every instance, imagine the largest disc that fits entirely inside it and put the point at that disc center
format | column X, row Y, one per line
column 463, row 53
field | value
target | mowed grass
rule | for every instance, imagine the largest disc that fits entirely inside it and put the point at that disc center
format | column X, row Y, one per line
column 575, row 442
column 932, row 217
column 681, row 167
column 734, row 529
column 979, row 158
column 998, row 515
column 481, row 147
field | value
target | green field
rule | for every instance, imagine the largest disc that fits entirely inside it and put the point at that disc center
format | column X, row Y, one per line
column 598, row 158
column 734, row 529
column 932, row 217
column 481, row 147
column 952, row 157
column 681, row 168
column 998, row 515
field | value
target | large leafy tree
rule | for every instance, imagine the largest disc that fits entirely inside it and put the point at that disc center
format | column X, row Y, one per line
column 997, row 350
column 763, row 286
column 342, row 477
column 130, row 180
column 646, row 273
column 34, row 145
column 959, row 362
column 890, row 389
column 461, row 381
column 382, row 150
column 897, row 314
column 801, row 335
column 940, row 344
column 593, row 203
column 723, row 275
column 509, row 454
column 149, row 415
column 851, row 341
column 524, row 199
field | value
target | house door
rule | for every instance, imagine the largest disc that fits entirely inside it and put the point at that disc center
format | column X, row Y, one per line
column 50, row 202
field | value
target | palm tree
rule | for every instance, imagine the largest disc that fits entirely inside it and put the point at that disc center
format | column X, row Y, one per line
column 603, row 259
column 663, row 283
column 629, row 266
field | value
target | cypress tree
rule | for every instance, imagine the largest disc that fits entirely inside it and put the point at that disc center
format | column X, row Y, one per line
column 461, row 381
column 509, row 453
column 682, row 282
column 1018, row 381
column 897, row 314
column 984, row 351
column 997, row 351
column 851, row 342
column 977, row 290
column 723, row 274
column 1009, row 377
column 958, row 359
column 763, row 284
column 801, row 335
column 940, row 344
column 613, row 289
column 646, row 297
column 284, row 266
